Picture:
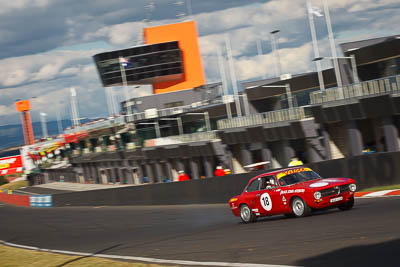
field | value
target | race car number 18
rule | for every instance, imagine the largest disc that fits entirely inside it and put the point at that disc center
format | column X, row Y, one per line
column 266, row 202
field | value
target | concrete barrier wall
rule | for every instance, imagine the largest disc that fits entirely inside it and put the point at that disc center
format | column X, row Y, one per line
column 368, row 170
column 18, row 200
column 201, row 191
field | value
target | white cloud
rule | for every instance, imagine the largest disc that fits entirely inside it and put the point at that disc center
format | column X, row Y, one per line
column 10, row 5
column 42, row 67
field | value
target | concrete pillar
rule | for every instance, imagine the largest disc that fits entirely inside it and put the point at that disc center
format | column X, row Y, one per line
column 180, row 165
column 355, row 139
column 168, row 164
column 391, row 135
column 326, row 143
column 266, row 155
column 103, row 175
column 149, row 171
column 288, row 152
column 229, row 158
column 112, row 172
column 140, row 167
column 315, row 152
column 158, row 175
column 208, row 166
column 246, row 154
column 46, row 178
column 194, row 168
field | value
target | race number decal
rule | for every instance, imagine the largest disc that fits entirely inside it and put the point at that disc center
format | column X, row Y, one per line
column 266, row 202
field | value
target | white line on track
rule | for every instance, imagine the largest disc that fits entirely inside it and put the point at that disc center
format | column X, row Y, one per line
column 143, row 259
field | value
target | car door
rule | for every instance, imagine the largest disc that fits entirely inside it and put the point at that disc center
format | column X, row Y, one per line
column 251, row 195
column 269, row 199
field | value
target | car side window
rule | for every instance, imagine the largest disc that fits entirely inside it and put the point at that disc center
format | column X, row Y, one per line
column 253, row 186
column 268, row 181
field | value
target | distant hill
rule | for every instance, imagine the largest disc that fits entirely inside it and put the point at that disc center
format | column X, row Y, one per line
column 12, row 135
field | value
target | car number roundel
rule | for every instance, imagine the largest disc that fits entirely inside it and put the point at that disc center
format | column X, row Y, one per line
column 266, row 202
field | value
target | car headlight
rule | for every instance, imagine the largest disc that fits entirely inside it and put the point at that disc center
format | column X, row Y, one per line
column 352, row 187
column 317, row 195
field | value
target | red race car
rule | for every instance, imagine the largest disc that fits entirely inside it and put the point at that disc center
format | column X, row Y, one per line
column 294, row 192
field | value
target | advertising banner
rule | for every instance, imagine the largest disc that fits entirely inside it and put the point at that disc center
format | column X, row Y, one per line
column 10, row 165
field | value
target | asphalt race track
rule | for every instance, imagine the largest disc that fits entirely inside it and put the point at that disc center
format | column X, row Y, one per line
column 368, row 235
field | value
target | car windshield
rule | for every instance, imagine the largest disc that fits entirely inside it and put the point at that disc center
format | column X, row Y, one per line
column 298, row 177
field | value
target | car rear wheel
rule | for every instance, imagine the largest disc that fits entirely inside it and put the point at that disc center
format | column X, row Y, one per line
column 300, row 207
column 348, row 205
column 246, row 214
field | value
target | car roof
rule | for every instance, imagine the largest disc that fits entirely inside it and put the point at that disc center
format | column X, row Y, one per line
column 275, row 172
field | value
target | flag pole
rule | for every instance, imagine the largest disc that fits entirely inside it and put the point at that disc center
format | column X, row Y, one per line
column 124, row 84
column 315, row 46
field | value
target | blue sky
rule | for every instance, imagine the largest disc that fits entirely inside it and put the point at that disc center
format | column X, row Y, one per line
column 46, row 46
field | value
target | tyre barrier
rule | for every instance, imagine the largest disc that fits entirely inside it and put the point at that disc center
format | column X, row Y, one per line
column 27, row 201
column 41, row 201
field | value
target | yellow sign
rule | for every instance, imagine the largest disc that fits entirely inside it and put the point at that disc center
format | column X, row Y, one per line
column 5, row 166
column 283, row 174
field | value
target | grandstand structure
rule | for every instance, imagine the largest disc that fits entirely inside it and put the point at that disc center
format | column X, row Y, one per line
column 192, row 126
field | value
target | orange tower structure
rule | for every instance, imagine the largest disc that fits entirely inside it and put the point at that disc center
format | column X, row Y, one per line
column 186, row 34
column 24, row 106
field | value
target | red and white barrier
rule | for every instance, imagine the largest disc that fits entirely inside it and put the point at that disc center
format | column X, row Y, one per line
column 383, row 193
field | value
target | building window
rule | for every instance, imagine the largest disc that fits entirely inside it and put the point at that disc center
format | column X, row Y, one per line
column 173, row 104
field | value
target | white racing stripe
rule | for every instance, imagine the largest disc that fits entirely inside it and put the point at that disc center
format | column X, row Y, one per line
column 143, row 259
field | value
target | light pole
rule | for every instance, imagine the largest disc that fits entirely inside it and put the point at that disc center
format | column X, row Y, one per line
column 58, row 115
column 43, row 122
column 157, row 127
column 246, row 104
column 206, row 118
column 179, row 120
column 188, row 8
column 353, row 63
column 332, row 44
column 315, row 44
column 232, row 71
column 74, row 108
column 260, row 53
column 224, row 82
column 276, row 53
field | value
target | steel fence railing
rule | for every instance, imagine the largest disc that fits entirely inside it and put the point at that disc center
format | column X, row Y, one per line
column 297, row 113
column 353, row 91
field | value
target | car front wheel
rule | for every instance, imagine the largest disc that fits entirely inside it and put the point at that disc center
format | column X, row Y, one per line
column 246, row 214
column 348, row 205
column 300, row 207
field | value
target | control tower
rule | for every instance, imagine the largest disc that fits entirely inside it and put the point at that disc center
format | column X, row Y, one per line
column 24, row 106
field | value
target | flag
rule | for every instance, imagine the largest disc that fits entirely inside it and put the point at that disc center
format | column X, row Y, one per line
column 315, row 11
column 125, row 62
column 73, row 91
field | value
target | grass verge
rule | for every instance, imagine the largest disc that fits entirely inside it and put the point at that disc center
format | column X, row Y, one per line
column 14, row 186
column 23, row 257
column 380, row 188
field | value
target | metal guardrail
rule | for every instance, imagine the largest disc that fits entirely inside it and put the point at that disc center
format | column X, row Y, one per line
column 297, row 113
column 373, row 87
column 97, row 125
column 184, row 138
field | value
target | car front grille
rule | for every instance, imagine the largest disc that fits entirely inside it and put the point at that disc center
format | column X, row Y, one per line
column 336, row 190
